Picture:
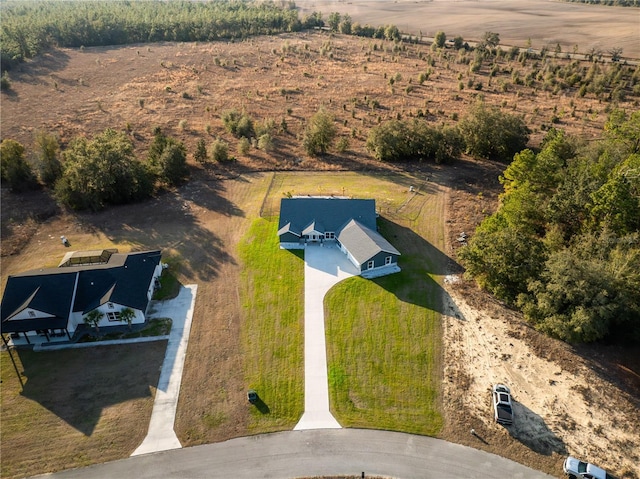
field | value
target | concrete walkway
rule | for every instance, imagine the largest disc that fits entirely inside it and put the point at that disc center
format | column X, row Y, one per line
column 324, row 266
column 161, row 436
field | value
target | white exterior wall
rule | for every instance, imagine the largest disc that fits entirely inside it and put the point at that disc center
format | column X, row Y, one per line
column 292, row 245
column 77, row 318
column 26, row 314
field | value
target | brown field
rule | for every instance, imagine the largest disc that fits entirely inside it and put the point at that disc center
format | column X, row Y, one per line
column 545, row 22
column 198, row 226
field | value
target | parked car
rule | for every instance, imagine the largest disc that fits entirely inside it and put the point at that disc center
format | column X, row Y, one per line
column 502, row 408
column 577, row 469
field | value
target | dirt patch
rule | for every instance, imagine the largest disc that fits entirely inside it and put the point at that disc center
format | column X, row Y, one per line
column 544, row 23
column 564, row 396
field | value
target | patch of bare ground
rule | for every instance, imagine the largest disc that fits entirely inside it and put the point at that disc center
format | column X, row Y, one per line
column 579, row 400
column 74, row 92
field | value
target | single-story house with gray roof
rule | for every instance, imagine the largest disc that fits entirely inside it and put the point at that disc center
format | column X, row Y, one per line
column 349, row 223
column 55, row 300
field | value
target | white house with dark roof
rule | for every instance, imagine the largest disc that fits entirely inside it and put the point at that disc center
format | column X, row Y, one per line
column 54, row 301
column 348, row 223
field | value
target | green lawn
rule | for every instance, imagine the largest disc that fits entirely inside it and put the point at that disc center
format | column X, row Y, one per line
column 383, row 346
column 383, row 336
column 272, row 295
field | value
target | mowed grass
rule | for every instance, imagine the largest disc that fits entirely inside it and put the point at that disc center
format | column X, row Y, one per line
column 272, row 296
column 383, row 348
column 383, row 336
column 76, row 407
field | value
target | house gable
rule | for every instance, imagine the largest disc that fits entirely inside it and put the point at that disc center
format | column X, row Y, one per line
column 48, row 297
column 54, row 295
column 364, row 243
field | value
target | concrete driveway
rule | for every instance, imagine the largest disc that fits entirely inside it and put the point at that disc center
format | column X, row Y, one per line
column 325, row 265
column 161, row 436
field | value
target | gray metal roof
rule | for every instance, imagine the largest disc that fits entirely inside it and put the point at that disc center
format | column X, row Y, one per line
column 364, row 243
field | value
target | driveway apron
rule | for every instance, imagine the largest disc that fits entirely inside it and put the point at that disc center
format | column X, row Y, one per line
column 325, row 265
column 161, row 436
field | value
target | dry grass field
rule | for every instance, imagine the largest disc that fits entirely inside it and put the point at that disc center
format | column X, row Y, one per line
column 198, row 226
column 544, row 22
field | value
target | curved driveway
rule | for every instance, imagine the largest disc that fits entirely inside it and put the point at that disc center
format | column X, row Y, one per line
column 325, row 452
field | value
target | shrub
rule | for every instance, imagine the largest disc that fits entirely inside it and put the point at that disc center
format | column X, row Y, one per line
column 220, row 151
column 5, row 83
column 102, row 171
column 200, row 154
column 265, row 142
column 492, row 134
column 46, row 155
column 319, row 134
column 15, row 172
column 398, row 140
column 238, row 124
column 244, row 145
column 168, row 158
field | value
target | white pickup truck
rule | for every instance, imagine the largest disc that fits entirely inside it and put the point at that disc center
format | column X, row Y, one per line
column 577, row 469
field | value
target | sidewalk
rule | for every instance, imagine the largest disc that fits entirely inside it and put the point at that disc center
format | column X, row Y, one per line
column 324, row 267
column 161, row 436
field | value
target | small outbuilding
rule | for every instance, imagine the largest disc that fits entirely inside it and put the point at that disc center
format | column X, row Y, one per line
column 351, row 224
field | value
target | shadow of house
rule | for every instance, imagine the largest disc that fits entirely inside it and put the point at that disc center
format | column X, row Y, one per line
column 420, row 262
column 77, row 385
column 531, row 430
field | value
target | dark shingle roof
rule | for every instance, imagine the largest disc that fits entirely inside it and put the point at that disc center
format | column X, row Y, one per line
column 364, row 243
column 325, row 214
column 124, row 280
column 42, row 293
column 126, row 284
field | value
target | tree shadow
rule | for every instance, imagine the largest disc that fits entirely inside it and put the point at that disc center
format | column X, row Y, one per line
column 531, row 430
column 34, row 72
column 420, row 261
column 77, row 385
column 170, row 223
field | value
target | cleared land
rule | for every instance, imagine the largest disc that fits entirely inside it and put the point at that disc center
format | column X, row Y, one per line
column 544, row 22
column 201, row 225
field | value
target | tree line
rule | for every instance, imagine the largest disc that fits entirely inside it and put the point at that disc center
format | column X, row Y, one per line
column 30, row 27
column 614, row 3
column 564, row 245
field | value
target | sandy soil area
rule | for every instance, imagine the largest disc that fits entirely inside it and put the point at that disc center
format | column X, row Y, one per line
column 560, row 400
column 544, row 22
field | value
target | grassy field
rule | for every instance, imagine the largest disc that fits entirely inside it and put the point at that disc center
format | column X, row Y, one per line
column 383, row 340
column 272, row 296
column 383, row 336
column 75, row 407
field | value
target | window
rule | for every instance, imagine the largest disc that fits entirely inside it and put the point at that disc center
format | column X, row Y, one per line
column 113, row 317
column 329, row 236
column 387, row 260
column 110, row 305
column 370, row 264
column 32, row 314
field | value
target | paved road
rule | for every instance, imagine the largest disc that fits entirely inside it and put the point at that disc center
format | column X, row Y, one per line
column 312, row 454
